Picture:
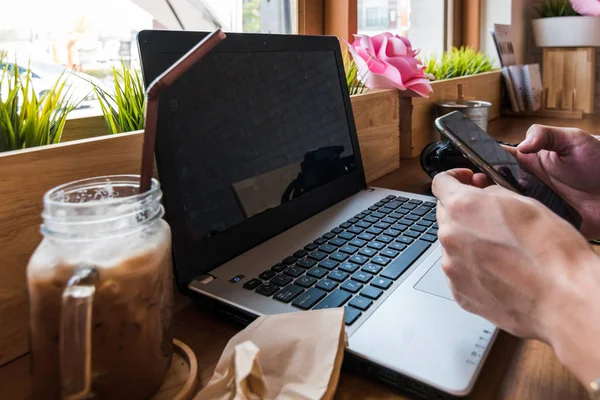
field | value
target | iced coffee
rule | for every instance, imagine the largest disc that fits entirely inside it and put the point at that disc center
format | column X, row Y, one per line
column 127, row 246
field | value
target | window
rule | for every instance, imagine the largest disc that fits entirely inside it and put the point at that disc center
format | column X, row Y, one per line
column 93, row 35
column 253, row 16
column 376, row 16
column 422, row 21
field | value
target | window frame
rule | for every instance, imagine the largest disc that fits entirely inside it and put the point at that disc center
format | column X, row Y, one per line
column 340, row 18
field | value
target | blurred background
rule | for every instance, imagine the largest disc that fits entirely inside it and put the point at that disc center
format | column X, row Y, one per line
column 91, row 36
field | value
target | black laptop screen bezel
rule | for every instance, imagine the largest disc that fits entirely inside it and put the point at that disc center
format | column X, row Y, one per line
column 193, row 259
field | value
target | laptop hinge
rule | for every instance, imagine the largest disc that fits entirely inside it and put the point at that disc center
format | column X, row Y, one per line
column 204, row 279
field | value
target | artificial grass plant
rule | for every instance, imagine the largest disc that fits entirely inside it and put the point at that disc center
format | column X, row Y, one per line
column 458, row 62
column 29, row 119
column 124, row 109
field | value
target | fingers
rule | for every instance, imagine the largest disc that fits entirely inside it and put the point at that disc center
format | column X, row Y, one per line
column 451, row 182
column 481, row 181
column 463, row 175
column 511, row 150
column 551, row 138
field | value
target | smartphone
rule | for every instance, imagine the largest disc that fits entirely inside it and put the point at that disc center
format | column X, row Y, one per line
column 498, row 164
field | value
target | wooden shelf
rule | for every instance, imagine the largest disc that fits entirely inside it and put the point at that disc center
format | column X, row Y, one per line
column 564, row 114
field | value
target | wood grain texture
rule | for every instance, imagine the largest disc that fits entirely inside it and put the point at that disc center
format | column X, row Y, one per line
column 456, row 23
column 562, row 114
column 84, row 128
column 311, row 17
column 341, row 18
column 515, row 369
column 565, row 69
column 26, row 176
column 376, row 114
column 471, row 23
column 181, row 381
column 485, row 87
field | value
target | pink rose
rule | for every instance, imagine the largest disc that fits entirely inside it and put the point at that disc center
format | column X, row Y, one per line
column 387, row 61
column 587, row 7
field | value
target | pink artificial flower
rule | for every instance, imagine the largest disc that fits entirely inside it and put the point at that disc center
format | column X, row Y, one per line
column 387, row 61
column 587, row 7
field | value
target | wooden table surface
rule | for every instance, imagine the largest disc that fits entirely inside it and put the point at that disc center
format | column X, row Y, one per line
column 515, row 368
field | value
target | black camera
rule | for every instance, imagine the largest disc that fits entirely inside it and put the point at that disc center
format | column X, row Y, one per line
column 442, row 156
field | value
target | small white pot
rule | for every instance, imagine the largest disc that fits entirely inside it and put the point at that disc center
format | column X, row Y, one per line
column 567, row 32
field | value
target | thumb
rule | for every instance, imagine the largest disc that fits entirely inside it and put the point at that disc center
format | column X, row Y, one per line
column 446, row 184
column 551, row 138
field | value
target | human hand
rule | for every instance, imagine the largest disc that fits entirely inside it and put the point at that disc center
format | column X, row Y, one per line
column 567, row 160
column 507, row 256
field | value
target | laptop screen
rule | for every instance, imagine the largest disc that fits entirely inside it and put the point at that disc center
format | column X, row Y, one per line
column 250, row 131
column 252, row 140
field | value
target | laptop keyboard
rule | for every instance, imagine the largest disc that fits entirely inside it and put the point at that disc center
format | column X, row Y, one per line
column 355, row 263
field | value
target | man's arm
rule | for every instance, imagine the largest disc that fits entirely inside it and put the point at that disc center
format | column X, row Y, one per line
column 574, row 327
column 512, row 261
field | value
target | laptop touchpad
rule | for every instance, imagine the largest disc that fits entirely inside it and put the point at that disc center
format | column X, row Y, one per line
column 435, row 282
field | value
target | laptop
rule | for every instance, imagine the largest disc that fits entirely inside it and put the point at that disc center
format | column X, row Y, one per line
column 265, row 193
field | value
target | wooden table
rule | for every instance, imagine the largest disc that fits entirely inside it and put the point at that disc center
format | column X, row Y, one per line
column 515, row 369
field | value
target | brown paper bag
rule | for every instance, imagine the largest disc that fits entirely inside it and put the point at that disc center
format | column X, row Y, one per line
column 284, row 356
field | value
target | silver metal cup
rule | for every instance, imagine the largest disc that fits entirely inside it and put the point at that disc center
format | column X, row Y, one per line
column 477, row 111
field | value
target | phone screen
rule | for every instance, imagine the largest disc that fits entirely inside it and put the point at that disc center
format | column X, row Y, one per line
column 474, row 143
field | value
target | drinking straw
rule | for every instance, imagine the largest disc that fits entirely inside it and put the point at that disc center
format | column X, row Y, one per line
column 153, row 92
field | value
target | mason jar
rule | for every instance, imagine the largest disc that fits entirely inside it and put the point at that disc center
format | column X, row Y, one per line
column 101, row 292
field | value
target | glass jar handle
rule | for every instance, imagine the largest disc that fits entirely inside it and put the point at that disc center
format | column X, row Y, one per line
column 76, row 334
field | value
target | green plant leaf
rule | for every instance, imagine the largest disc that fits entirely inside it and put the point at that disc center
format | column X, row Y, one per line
column 556, row 8
column 26, row 118
column 457, row 62
column 354, row 77
column 123, row 110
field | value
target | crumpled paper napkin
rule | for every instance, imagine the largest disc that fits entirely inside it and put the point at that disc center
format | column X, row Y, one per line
column 284, row 356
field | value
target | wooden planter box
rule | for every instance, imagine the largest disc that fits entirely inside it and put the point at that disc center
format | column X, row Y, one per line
column 84, row 128
column 419, row 130
column 376, row 114
column 28, row 174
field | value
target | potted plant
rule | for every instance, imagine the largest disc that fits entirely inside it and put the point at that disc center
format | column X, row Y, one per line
column 388, row 67
column 564, row 23
column 456, row 63
column 29, row 119
column 459, row 74
column 122, row 108
column 354, row 78
column 423, row 84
